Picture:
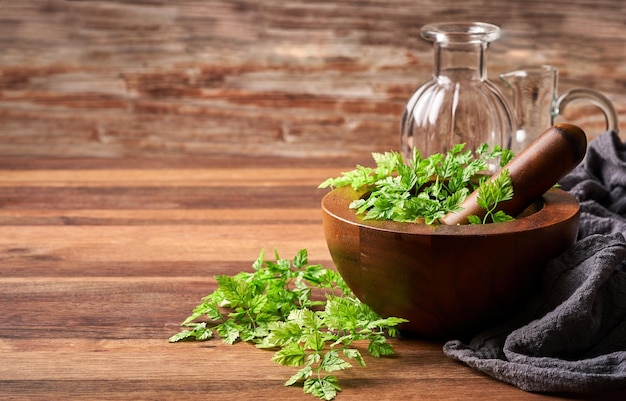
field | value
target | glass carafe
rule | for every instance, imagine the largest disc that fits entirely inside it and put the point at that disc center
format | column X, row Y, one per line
column 459, row 104
column 536, row 102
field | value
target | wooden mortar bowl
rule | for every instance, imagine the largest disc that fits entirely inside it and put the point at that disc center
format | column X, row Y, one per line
column 447, row 280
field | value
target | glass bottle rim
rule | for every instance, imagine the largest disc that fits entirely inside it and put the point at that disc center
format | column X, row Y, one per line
column 461, row 32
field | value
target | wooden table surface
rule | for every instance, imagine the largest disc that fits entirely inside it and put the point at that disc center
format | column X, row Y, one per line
column 101, row 260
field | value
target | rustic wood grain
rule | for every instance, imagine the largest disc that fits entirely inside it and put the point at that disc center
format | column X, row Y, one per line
column 96, row 274
column 297, row 78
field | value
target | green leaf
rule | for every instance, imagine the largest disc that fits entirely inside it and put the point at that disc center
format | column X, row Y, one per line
column 291, row 354
column 494, row 191
column 205, row 308
column 386, row 163
column 324, row 388
column 229, row 331
column 305, row 318
column 332, row 362
column 355, row 354
column 314, row 274
column 359, row 177
column 314, row 341
column 386, row 322
column 473, row 219
column 340, row 314
column 183, row 335
column 302, row 374
column 301, row 259
column 311, row 320
column 501, row 217
column 213, row 312
column 379, row 346
column 452, row 202
column 199, row 332
column 257, row 303
column 235, row 290
column 313, row 358
column 258, row 263
column 282, row 333
column 506, row 157
column 280, row 268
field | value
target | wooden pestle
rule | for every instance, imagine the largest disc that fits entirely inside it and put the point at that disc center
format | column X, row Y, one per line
column 533, row 171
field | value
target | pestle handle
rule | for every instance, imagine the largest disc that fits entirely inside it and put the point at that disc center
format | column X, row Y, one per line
column 533, row 171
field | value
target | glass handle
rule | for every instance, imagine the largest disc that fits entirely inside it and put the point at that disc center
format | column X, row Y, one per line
column 596, row 98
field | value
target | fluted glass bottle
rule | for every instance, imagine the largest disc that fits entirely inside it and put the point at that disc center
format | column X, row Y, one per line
column 459, row 104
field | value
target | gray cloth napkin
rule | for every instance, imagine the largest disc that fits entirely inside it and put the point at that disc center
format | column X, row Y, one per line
column 571, row 337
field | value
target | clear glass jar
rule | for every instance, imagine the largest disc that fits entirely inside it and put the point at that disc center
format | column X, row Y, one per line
column 459, row 104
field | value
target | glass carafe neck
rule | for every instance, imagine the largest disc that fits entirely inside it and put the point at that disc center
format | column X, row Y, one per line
column 460, row 61
column 460, row 48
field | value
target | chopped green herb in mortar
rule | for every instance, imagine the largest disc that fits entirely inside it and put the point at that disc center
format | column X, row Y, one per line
column 426, row 189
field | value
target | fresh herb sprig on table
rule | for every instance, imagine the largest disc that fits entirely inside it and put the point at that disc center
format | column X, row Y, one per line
column 426, row 189
column 306, row 313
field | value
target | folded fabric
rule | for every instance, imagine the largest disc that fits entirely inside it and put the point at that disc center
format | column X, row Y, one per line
column 599, row 184
column 571, row 337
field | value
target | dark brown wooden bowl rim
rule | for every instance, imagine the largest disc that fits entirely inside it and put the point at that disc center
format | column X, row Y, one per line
column 558, row 206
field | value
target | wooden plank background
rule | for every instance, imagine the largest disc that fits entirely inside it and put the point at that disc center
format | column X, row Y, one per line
column 290, row 78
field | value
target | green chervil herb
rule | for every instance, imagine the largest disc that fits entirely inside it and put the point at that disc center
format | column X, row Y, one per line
column 427, row 188
column 490, row 194
column 306, row 313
